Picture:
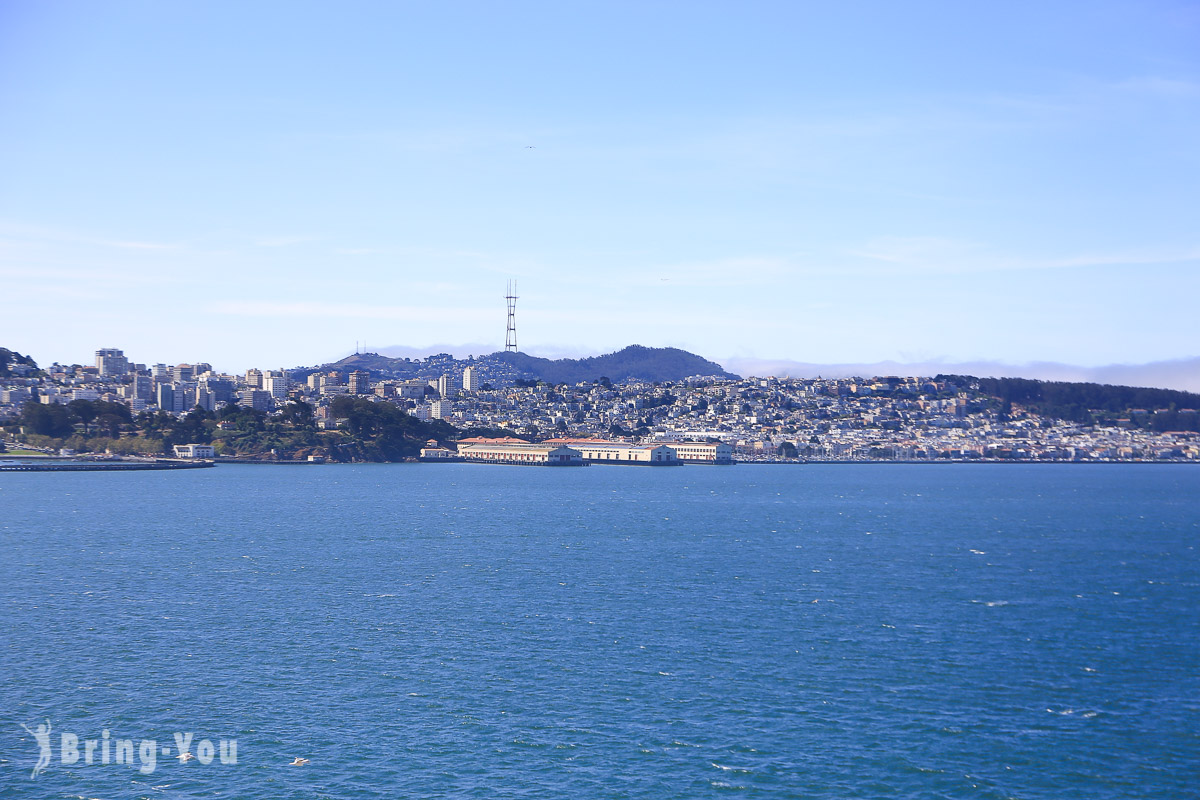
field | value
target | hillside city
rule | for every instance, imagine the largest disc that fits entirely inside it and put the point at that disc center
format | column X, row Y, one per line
column 759, row 418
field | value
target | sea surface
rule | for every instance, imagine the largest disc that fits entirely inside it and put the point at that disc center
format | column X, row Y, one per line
column 457, row 630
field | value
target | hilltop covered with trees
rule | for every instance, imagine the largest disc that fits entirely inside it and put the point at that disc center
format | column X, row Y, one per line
column 1091, row 403
column 650, row 364
column 367, row 432
column 10, row 359
column 633, row 363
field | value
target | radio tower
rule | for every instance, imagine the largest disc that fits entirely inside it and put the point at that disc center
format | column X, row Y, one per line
column 510, row 336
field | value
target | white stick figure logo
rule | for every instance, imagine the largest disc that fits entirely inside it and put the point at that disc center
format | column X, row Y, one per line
column 42, row 734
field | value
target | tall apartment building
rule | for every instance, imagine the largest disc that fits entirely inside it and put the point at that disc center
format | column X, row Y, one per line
column 275, row 382
column 111, row 362
column 172, row 399
column 359, row 380
column 254, row 379
column 256, row 399
column 182, row 372
column 141, row 387
column 470, row 379
column 449, row 385
column 220, row 389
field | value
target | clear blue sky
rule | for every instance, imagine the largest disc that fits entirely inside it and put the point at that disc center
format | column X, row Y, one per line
column 263, row 184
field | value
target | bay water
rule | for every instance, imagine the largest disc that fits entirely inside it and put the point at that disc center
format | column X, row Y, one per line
column 823, row 631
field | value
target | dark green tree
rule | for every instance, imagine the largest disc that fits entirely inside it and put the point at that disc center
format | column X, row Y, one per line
column 48, row 419
column 84, row 410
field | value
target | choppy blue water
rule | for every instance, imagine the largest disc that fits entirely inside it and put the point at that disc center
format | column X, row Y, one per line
column 483, row 631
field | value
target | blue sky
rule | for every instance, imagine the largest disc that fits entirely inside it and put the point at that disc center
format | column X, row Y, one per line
column 264, row 184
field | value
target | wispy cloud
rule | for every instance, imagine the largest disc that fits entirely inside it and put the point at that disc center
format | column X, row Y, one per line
column 361, row 251
column 317, row 310
column 1160, row 86
column 34, row 234
column 135, row 245
column 932, row 254
column 741, row 271
column 284, row 241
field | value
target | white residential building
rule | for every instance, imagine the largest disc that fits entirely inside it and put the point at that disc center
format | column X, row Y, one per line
column 470, row 379
column 276, row 383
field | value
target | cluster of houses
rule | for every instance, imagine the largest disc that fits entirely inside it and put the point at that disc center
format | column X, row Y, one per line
column 830, row 419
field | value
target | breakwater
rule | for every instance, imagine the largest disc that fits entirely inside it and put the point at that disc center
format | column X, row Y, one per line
column 100, row 466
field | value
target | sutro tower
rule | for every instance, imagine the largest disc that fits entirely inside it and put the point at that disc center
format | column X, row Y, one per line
column 510, row 336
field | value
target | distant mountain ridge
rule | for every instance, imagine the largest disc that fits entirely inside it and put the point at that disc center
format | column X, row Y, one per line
column 1182, row 374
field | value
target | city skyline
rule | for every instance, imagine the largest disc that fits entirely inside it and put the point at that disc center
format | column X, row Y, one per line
column 259, row 185
column 1179, row 374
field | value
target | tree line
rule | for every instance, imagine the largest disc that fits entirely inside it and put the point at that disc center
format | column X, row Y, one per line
column 1092, row 403
column 368, row 431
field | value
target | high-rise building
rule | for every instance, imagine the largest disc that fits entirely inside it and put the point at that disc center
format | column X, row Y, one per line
column 256, row 399
column 359, row 380
column 220, row 389
column 470, row 379
column 254, row 379
column 182, row 372
column 449, row 385
column 111, row 362
column 165, row 397
column 141, row 387
column 275, row 382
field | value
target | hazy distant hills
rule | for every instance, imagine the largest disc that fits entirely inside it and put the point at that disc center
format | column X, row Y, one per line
column 1181, row 374
column 668, row 363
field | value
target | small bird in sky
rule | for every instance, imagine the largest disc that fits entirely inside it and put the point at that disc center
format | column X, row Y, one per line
column 530, row 147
